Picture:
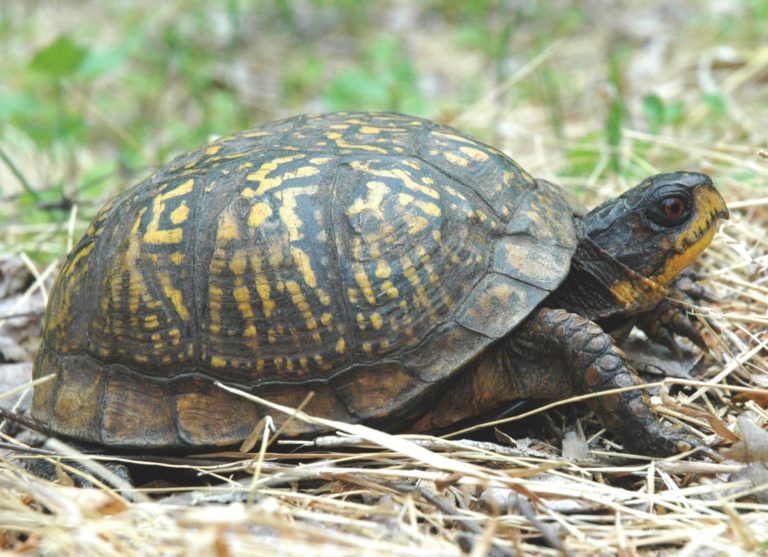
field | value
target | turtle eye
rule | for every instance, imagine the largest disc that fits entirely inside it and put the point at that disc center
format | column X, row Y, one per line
column 671, row 210
column 674, row 208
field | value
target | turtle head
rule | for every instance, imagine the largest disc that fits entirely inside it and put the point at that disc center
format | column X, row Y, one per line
column 659, row 227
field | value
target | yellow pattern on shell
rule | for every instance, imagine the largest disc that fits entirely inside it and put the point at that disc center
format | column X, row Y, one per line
column 377, row 191
column 156, row 235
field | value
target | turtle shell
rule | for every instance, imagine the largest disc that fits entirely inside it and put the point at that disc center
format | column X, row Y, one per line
column 363, row 257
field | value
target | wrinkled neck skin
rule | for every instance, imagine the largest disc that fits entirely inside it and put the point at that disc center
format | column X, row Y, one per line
column 602, row 289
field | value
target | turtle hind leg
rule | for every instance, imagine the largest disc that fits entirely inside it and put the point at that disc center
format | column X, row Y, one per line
column 596, row 364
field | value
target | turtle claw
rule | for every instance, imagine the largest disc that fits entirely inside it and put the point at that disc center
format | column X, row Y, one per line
column 671, row 317
column 689, row 286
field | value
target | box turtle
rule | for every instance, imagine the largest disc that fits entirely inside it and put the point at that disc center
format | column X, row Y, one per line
column 409, row 276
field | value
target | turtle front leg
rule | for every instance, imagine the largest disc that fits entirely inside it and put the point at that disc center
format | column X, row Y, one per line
column 596, row 364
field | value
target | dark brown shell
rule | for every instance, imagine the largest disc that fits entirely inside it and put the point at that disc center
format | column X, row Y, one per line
column 364, row 257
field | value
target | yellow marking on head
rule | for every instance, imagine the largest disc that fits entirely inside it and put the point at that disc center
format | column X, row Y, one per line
column 367, row 347
column 364, row 283
column 175, row 295
column 141, row 358
column 174, row 333
column 259, row 213
column 250, row 331
column 245, row 165
column 360, row 318
column 326, row 319
column 376, row 193
column 341, row 346
column 320, row 160
column 177, row 258
column 383, row 269
column 156, row 336
column 376, row 320
column 676, row 263
column 476, row 154
column 304, row 265
column 218, row 362
column 213, row 149
column 697, row 235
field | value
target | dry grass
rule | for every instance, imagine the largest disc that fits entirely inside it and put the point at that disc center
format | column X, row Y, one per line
column 364, row 492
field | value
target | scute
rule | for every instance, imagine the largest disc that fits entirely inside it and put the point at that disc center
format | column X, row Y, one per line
column 362, row 257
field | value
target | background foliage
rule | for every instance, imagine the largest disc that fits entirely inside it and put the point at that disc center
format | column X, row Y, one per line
column 94, row 95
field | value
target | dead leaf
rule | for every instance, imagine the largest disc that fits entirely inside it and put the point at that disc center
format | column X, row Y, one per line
column 574, row 448
column 761, row 399
column 754, row 444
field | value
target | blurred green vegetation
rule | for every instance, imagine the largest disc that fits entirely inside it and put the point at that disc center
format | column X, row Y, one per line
column 94, row 95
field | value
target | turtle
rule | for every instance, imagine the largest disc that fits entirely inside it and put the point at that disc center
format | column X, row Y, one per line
column 407, row 275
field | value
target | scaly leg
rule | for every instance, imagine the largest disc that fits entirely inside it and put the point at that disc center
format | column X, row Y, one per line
column 596, row 364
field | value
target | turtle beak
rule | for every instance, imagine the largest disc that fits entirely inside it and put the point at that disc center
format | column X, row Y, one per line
column 710, row 204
